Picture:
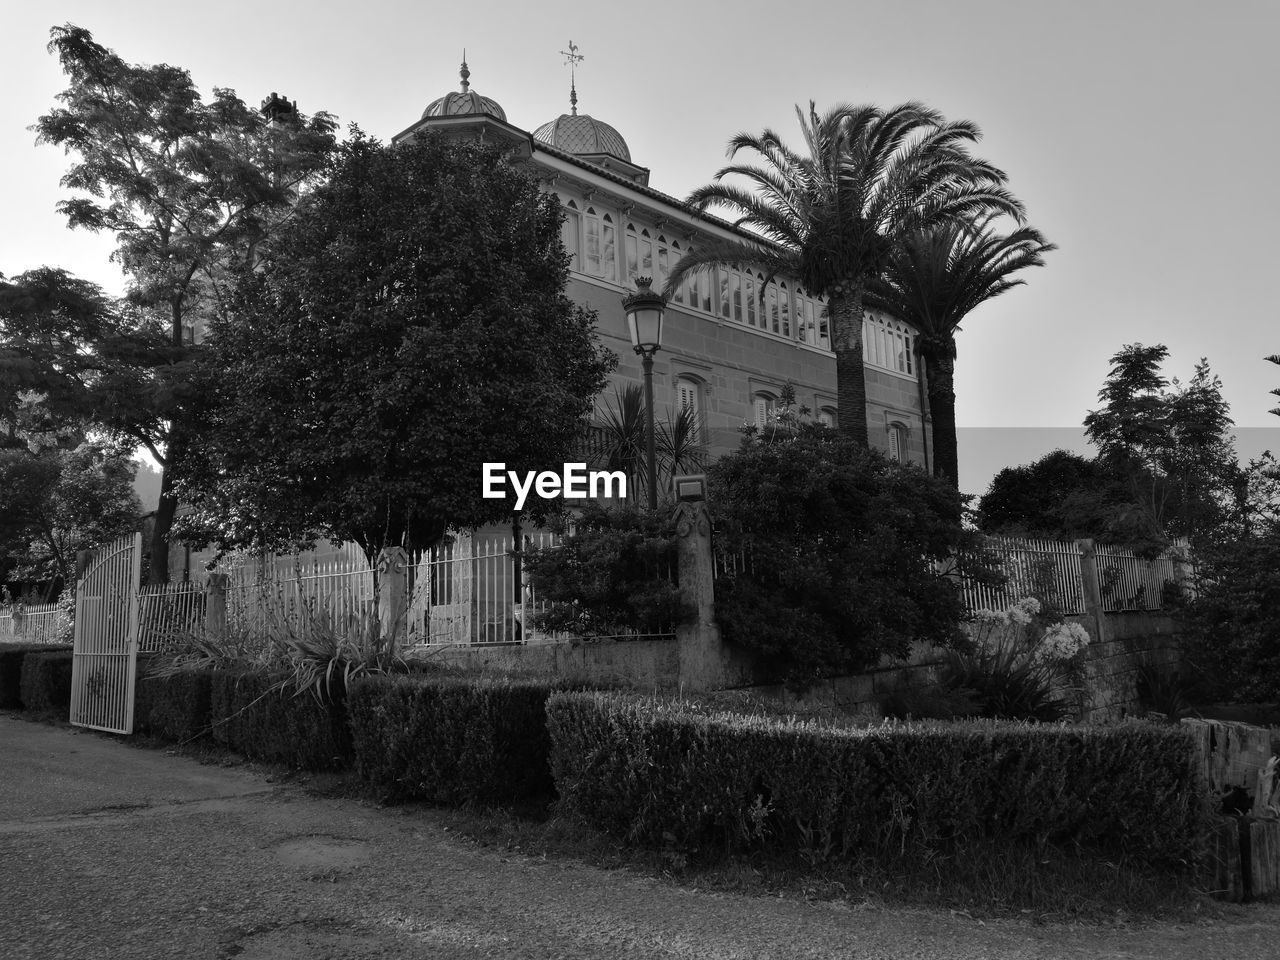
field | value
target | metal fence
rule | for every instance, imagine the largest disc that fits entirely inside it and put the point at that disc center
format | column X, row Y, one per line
column 1048, row 569
column 167, row 612
column 1127, row 582
column 32, row 623
column 275, row 597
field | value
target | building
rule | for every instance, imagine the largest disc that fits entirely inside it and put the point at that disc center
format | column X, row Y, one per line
column 730, row 341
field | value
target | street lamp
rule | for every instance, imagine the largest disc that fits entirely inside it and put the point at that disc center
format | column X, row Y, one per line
column 644, row 318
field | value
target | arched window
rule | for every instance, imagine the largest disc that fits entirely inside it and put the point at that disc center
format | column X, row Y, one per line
column 601, row 244
column 763, row 405
column 663, row 263
column 749, row 298
column 771, row 308
column 570, row 231
column 678, row 294
column 888, row 344
column 784, row 311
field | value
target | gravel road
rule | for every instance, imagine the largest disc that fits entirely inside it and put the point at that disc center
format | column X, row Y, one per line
column 107, row 851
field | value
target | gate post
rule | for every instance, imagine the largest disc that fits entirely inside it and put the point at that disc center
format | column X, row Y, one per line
column 1091, row 589
column 701, row 654
column 393, row 598
column 215, row 610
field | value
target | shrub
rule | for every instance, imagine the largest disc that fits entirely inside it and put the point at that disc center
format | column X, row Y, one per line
column 615, row 573
column 844, row 543
column 46, row 681
column 253, row 713
column 173, row 705
column 451, row 740
column 11, row 657
column 669, row 773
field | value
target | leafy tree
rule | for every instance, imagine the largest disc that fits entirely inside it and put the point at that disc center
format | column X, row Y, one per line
column 832, row 216
column 842, row 544
column 55, row 502
column 1171, row 442
column 409, row 325
column 1061, row 496
column 187, row 187
column 934, row 280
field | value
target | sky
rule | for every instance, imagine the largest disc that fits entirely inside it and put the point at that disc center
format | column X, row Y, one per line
column 1140, row 135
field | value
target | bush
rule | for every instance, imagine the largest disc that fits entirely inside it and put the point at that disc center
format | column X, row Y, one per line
column 173, row 706
column 616, row 573
column 843, row 543
column 11, row 657
column 46, row 682
column 672, row 774
column 453, row 740
column 252, row 713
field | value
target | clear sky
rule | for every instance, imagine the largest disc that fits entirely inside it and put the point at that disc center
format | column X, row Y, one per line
column 1142, row 137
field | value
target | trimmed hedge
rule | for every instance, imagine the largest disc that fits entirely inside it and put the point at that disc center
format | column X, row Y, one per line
column 449, row 740
column 11, row 657
column 173, row 707
column 250, row 715
column 670, row 773
column 46, row 682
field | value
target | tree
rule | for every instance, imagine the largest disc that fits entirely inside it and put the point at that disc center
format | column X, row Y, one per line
column 842, row 544
column 833, row 216
column 1061, row 496
column 187, row 187
column 1171, row 442
column 409, row 325
column 621, row 443
column 55, row 502
column 933, row 280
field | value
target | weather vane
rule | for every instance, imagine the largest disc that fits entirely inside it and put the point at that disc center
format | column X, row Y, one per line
column 573, row 58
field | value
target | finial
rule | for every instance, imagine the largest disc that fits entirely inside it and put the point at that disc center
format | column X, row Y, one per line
column 464, row 72
column 573, row 58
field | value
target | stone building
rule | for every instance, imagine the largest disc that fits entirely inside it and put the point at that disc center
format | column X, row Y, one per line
column 730, row 341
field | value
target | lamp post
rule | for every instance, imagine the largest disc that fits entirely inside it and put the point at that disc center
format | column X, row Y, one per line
column 644, row 318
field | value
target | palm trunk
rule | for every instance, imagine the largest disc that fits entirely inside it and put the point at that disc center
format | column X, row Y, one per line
column 851, row 374
column 940, row 358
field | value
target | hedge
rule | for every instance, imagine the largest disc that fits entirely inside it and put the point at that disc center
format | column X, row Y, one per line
column 452, row 740
column 251, row 714
column 174, row 706
column 46, row 681
column 660, row 773
column 11, row 657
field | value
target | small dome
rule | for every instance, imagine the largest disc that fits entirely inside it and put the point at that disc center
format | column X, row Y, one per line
column 581, row 134
column 464, row 101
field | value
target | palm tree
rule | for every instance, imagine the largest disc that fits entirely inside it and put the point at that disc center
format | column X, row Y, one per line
column 832, row 217
column 933, row 281
column 622, row 447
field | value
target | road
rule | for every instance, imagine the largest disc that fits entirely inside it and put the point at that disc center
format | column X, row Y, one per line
column 108, row 851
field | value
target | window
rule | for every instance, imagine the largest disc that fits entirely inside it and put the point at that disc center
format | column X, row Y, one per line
column 749, row 296
column 639, row 253
column 689, row 397
column 827, row 417
column 897, row 442
column 601, row 237
column 811, row 321
column 570, row 230
column 763, row 406
column 663, row 262
column 784, row 310
column 888, row 344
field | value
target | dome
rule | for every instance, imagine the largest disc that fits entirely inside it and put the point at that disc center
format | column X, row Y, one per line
column 580, row 134
column 465, row 101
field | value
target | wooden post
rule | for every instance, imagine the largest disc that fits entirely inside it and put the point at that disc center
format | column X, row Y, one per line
column 701, row 658
column 1091, row 588
column 393, row 598
column 215, row 605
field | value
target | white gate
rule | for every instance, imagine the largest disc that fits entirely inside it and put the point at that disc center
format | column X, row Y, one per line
column 104, row 665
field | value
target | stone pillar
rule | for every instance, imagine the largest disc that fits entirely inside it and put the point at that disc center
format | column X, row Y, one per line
column 701, row 652
column 215, row 606
column 392, row 571
column 1095, row 616
column 1183, row 571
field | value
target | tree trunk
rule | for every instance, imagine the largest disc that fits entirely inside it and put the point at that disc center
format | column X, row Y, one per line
column 158, row 569
column 940, row 358
column 851, row 374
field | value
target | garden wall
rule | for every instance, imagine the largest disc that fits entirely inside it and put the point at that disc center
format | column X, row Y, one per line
column 1110, row 671
column 652, row 664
